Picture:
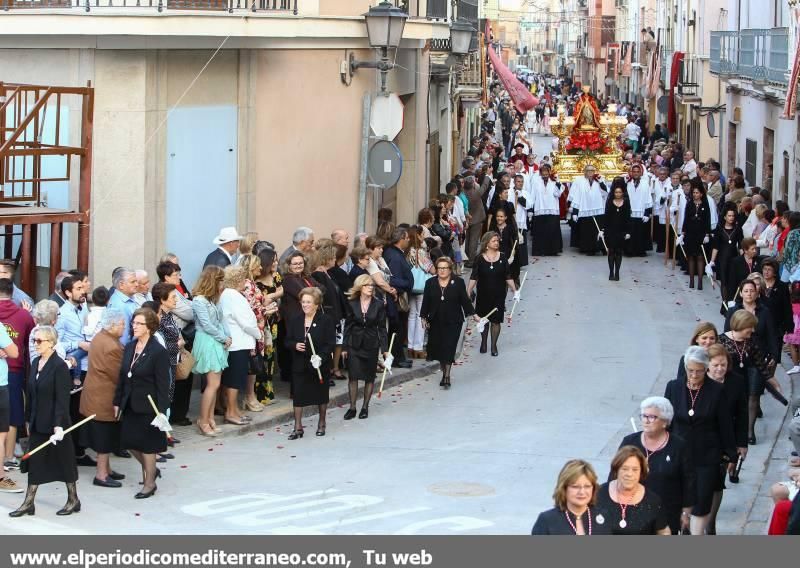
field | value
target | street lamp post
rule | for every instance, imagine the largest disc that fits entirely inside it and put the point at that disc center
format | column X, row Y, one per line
column 385, row 25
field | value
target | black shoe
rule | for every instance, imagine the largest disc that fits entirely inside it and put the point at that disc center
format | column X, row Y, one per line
column 122, row 454
column 168, row 456
column 364, row 413
column 109, row 482
column 143, row 495
column 158, row 474
column 172, row 441
column 183, row 422
column 442, row 382
column 331, row 383
column 69, row 509
column 296, row 434
column 321, row 431
column 483, row 348
column 116, row 476
column 86, row 460
column 751, row 441
column 611, row 276
column 404, row 364
column 350, row 414
column 447, row 384
column 161, row 459
column 29, row 510
column 494, row 351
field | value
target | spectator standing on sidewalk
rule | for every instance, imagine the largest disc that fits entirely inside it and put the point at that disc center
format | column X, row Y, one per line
column 302, row 241
column 227, row 243
column 8, row 350
column 403, row 281
column 7, row 270
column 125, row 286
column 477, row 219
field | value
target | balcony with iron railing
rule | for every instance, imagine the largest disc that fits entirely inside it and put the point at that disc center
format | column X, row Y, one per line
column 470, row 73
column 758, row 55
column 689, row 77
column 120, row 6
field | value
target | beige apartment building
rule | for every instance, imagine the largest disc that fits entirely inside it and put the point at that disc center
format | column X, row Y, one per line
column 219, row 112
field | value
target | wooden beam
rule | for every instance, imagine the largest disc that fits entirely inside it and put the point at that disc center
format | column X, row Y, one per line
column 25, row 247
column 56, row 234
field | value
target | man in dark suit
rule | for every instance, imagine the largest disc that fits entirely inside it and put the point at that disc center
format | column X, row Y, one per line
column 227, row 244
column 403, row 281
column 56, row 295
column 302, row 240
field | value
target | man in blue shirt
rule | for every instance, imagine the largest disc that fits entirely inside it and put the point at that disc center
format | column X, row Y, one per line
column 7, row 270
column 7, row 349
column 70, row 323
column 125, row 286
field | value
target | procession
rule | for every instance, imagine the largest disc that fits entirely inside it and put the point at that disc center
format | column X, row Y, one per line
column 588, row 323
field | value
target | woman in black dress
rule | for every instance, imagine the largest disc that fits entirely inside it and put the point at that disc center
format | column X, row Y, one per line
column 775, row 296
column 724, row 248
column 627, row 506
column 364, row 339
column 322, row 261
column 705, row 335
column 695, row 233
column 506, row 228
column 617, row 229
column 144, row 372
column 702, row 419
column 671, row 474
column 575, row 497
column 735, row 389
column 445, row 305
column 491, row 274
column 307, row 365
column 47, row 415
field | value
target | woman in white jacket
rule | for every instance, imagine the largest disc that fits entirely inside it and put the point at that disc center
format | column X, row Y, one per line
column 243, row 327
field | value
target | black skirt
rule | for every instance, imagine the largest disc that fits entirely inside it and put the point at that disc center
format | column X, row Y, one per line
column 53, row 463
column 362, row 367
column 707, row 481
column 137, row 433
column 102, row 437
column 308, row 391
column 234, row 376
column 546, row 236
column 587, row 234
column 443, row 341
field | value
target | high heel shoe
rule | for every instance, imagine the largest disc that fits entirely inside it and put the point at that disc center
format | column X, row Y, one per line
column 146, row 494
column 442, row 382
column 296, row 434
column 447, row 383
column 494, row 351
column 206, row 429
column 350, row 414
column 239, row 422
column 253, row 406
column 158, row 474
column 215, row 428
column 321, row 431
column 22, row 511
column 68, row 510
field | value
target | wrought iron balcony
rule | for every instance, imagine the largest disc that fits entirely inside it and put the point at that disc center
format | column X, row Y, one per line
column 437, row 9
column 107, row 6
column 470, row 74
column 759, row 55
column 688, row 84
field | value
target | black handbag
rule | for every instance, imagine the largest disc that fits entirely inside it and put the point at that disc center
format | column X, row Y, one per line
column 188, row 332
column 258, row 366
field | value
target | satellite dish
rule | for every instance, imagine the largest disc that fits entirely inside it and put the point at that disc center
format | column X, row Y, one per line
column 663, row 104
column 711, row 124
column 384, row 164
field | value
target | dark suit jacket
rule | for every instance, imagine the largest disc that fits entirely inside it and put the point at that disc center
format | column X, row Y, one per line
column 735, row 389
column 323, row 334
column 737, row 270
column 217, row 257
column 364, row 335
column 780, row 306
column 402, row 279
column 455, row 307
column 58, row 299
column 149, row 376
column 709, row 433
column 48, row 396
column 290, row 303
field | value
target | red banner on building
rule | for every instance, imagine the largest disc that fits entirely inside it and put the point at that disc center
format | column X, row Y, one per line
column 520, row 95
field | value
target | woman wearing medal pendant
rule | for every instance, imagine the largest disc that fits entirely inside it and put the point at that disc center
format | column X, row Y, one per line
column 506, row 229
column 445, row 305
column 724, row 248
column 575, row 497
column 671, row 473
column 491, row 274
column 695, row 233
column 702, row 419
column 626, row 504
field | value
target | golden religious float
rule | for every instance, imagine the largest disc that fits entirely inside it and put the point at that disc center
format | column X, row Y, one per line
column 588, row 137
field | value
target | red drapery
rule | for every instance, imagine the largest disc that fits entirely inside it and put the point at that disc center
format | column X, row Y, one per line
column 675, row 73
column 520, row 95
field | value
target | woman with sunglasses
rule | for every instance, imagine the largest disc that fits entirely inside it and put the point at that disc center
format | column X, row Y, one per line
column 445, row 305
column 671, row 474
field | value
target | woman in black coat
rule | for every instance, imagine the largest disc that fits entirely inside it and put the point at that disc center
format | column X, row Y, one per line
column 695, row 233
column 47, row 415
column 445, row 305
column 702, row 419
column 724, row 250
column 617, row 226
column 311, row 367
column 364, row 339
column 145, row 371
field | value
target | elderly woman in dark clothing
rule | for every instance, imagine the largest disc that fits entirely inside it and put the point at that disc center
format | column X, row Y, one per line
column 360, row 257
column 445, row 305
column 775, row 296
column 323, row 261
column 297, row 277
column 47, row 415
column 144, row 373
column 311, row 325
column 671, row 473
column 735, row 389
column 575, row 498
column 364, row 338
column 702, row 418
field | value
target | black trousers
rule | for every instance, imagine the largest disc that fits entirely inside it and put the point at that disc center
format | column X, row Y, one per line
column 75, row 416
column 396, row 326
column 180, row 400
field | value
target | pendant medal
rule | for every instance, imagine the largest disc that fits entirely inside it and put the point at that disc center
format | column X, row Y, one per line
column 691, row 412
column 130, row 374
column 729, row 242
column 741, row 365
column 623, row 524
column 442, row 298
column 600, row 519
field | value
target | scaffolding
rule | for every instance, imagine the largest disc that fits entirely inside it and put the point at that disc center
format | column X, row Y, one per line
column 23, row 146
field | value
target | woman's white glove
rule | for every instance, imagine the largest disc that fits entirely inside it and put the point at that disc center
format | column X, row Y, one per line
column 710, row 271
column 627, row 237
column 705, row 240
column 58, row 435
column 575, row 218
column 511, row 259
column 316, row 361
column 516, row 295
column 601, row 235
column 679, row 241
column 388, row 360
column 481, row 325
column 161, row 422
column 645, row 219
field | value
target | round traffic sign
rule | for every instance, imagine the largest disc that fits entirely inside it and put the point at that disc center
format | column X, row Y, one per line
column 384, row 164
